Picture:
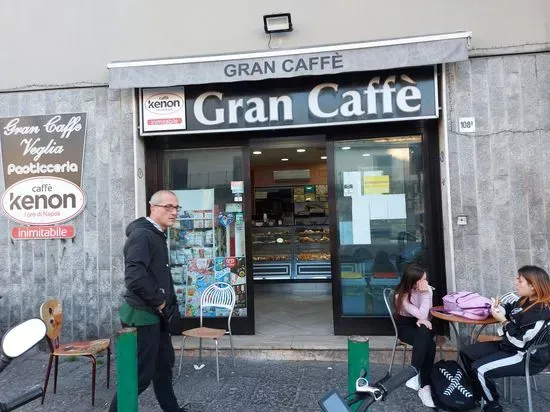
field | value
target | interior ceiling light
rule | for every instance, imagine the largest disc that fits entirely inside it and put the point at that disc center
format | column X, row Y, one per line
column 323, row 157
column 284, row 159
column 346, row 148
column 277, row 23
column 256, row 152
column 300, row 150
column 366, row 154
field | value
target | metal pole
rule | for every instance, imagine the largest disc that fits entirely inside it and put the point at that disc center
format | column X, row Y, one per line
column 358, row 358
column 126, row 370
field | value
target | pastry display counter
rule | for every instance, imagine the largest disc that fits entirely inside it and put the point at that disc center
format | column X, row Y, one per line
column 291, row 252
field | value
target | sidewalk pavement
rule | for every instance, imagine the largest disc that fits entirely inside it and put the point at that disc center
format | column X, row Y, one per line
column 254, row 385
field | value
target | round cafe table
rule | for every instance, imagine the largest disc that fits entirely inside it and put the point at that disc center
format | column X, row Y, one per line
column 438, row 312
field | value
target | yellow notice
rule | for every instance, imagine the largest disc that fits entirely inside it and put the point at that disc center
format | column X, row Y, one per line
column 376, row 185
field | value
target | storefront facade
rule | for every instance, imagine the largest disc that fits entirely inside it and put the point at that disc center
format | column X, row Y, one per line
column 379, row 133
column 467, row 133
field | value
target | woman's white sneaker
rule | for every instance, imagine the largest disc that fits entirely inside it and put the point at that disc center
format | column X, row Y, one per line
column 425, row 395
column 413, row 383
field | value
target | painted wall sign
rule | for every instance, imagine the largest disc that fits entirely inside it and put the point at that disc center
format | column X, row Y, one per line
column 43, row 201
column 50, row 145
column 42, row 158
column 403, row 94
column 42, row 232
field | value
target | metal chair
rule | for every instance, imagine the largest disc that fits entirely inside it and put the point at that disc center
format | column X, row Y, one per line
column 389, row 300
column 51, row 313
column 542, row 341
column 218, row 295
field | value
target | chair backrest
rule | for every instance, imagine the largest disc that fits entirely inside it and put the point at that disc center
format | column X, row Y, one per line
column 218, row 295
column 51, row 313
column 389, row 300
column 542, row 340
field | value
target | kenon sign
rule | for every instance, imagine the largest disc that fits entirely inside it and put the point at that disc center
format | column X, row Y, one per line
column 43, row 201
column 42, row 158
column 403, row 94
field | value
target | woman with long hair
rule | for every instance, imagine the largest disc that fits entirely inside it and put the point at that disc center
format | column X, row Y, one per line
column 413, row 300
column 521, row 323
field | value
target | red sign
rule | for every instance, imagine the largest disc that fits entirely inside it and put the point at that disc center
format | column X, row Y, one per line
column 42, row 232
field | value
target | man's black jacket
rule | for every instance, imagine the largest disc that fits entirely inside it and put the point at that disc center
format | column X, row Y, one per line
column 147, row 270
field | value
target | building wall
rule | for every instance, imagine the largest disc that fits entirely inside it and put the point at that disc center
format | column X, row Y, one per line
column 69, row 43
column 499, row 176
column 86, row 273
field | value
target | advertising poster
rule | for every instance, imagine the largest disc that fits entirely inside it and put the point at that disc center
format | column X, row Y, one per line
column 232, row 270
column 200, row 275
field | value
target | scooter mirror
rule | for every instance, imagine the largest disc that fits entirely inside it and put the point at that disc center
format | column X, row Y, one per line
column 22, row 337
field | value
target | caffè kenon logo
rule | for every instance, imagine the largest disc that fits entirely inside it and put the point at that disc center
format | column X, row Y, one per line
column 164, row 103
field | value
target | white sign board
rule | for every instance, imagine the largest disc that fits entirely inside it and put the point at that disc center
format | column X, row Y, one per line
column 466, row 124
column 163, row 109
column 44, row 200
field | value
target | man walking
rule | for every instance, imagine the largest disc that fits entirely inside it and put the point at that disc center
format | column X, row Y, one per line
column 150, row 300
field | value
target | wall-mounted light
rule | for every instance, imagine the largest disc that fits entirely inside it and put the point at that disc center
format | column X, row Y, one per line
column 277, row 23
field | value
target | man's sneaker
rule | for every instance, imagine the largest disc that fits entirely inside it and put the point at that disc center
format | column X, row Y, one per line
column 413, row 383
column 425, row 395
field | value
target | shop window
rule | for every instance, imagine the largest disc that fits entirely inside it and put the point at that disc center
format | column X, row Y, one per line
column 380, row 217
column 207, row 243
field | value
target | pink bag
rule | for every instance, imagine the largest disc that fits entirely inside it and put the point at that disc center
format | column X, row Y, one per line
column 470, row 305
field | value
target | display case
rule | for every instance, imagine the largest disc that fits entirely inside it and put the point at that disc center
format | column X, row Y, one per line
column 291, row 252
column 313, row 252
column 273, row 252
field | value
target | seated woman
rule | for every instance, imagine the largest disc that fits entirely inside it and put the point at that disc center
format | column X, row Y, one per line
column 413, row 300
column 521, row 322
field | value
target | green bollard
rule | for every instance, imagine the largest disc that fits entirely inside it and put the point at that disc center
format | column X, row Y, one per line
column 126, row 370
column 358, row 358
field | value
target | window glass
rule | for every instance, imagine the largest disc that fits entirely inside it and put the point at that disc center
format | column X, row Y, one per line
column 380, row 215
column 207, row 243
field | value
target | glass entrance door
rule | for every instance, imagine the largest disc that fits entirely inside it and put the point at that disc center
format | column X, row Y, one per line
column 380, row 219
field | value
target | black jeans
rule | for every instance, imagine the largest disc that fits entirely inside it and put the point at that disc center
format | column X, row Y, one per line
column 485, row 361
column 155, row 362
column 422, row 341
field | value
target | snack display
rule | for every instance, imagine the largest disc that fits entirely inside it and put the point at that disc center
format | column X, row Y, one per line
column 280, row 254
column 309, row 256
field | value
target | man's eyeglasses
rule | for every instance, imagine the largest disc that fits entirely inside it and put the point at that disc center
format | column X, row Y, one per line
column 169, row 208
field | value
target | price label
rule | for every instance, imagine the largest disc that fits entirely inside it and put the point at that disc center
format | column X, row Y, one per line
column 466, row 124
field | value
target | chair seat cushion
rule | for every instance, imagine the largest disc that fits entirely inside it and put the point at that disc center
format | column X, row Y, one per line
column 91, row 347
column 204, row 333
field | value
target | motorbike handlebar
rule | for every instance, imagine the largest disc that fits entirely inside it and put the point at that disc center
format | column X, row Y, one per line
column 34, row 393
column 387, row 385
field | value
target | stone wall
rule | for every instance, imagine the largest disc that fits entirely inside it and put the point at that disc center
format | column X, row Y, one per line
column 86, row 273
column 499, row 175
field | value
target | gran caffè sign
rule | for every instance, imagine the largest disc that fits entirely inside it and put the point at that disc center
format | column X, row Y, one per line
column 401, row 94
column 42, row 159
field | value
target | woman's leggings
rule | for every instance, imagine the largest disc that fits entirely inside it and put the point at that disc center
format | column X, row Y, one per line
column 485, row 361
column 422, row 341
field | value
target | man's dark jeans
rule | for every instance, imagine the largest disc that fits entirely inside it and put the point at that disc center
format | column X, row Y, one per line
column 155, row 362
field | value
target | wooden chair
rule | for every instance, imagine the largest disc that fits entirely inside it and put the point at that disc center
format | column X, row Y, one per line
column 51, row 313
column 218, row 295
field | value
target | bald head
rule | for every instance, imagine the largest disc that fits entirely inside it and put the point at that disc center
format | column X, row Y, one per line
column 164, row 208
column 160, row 196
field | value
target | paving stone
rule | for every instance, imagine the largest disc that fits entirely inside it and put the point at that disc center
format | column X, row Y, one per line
column 254, row 385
